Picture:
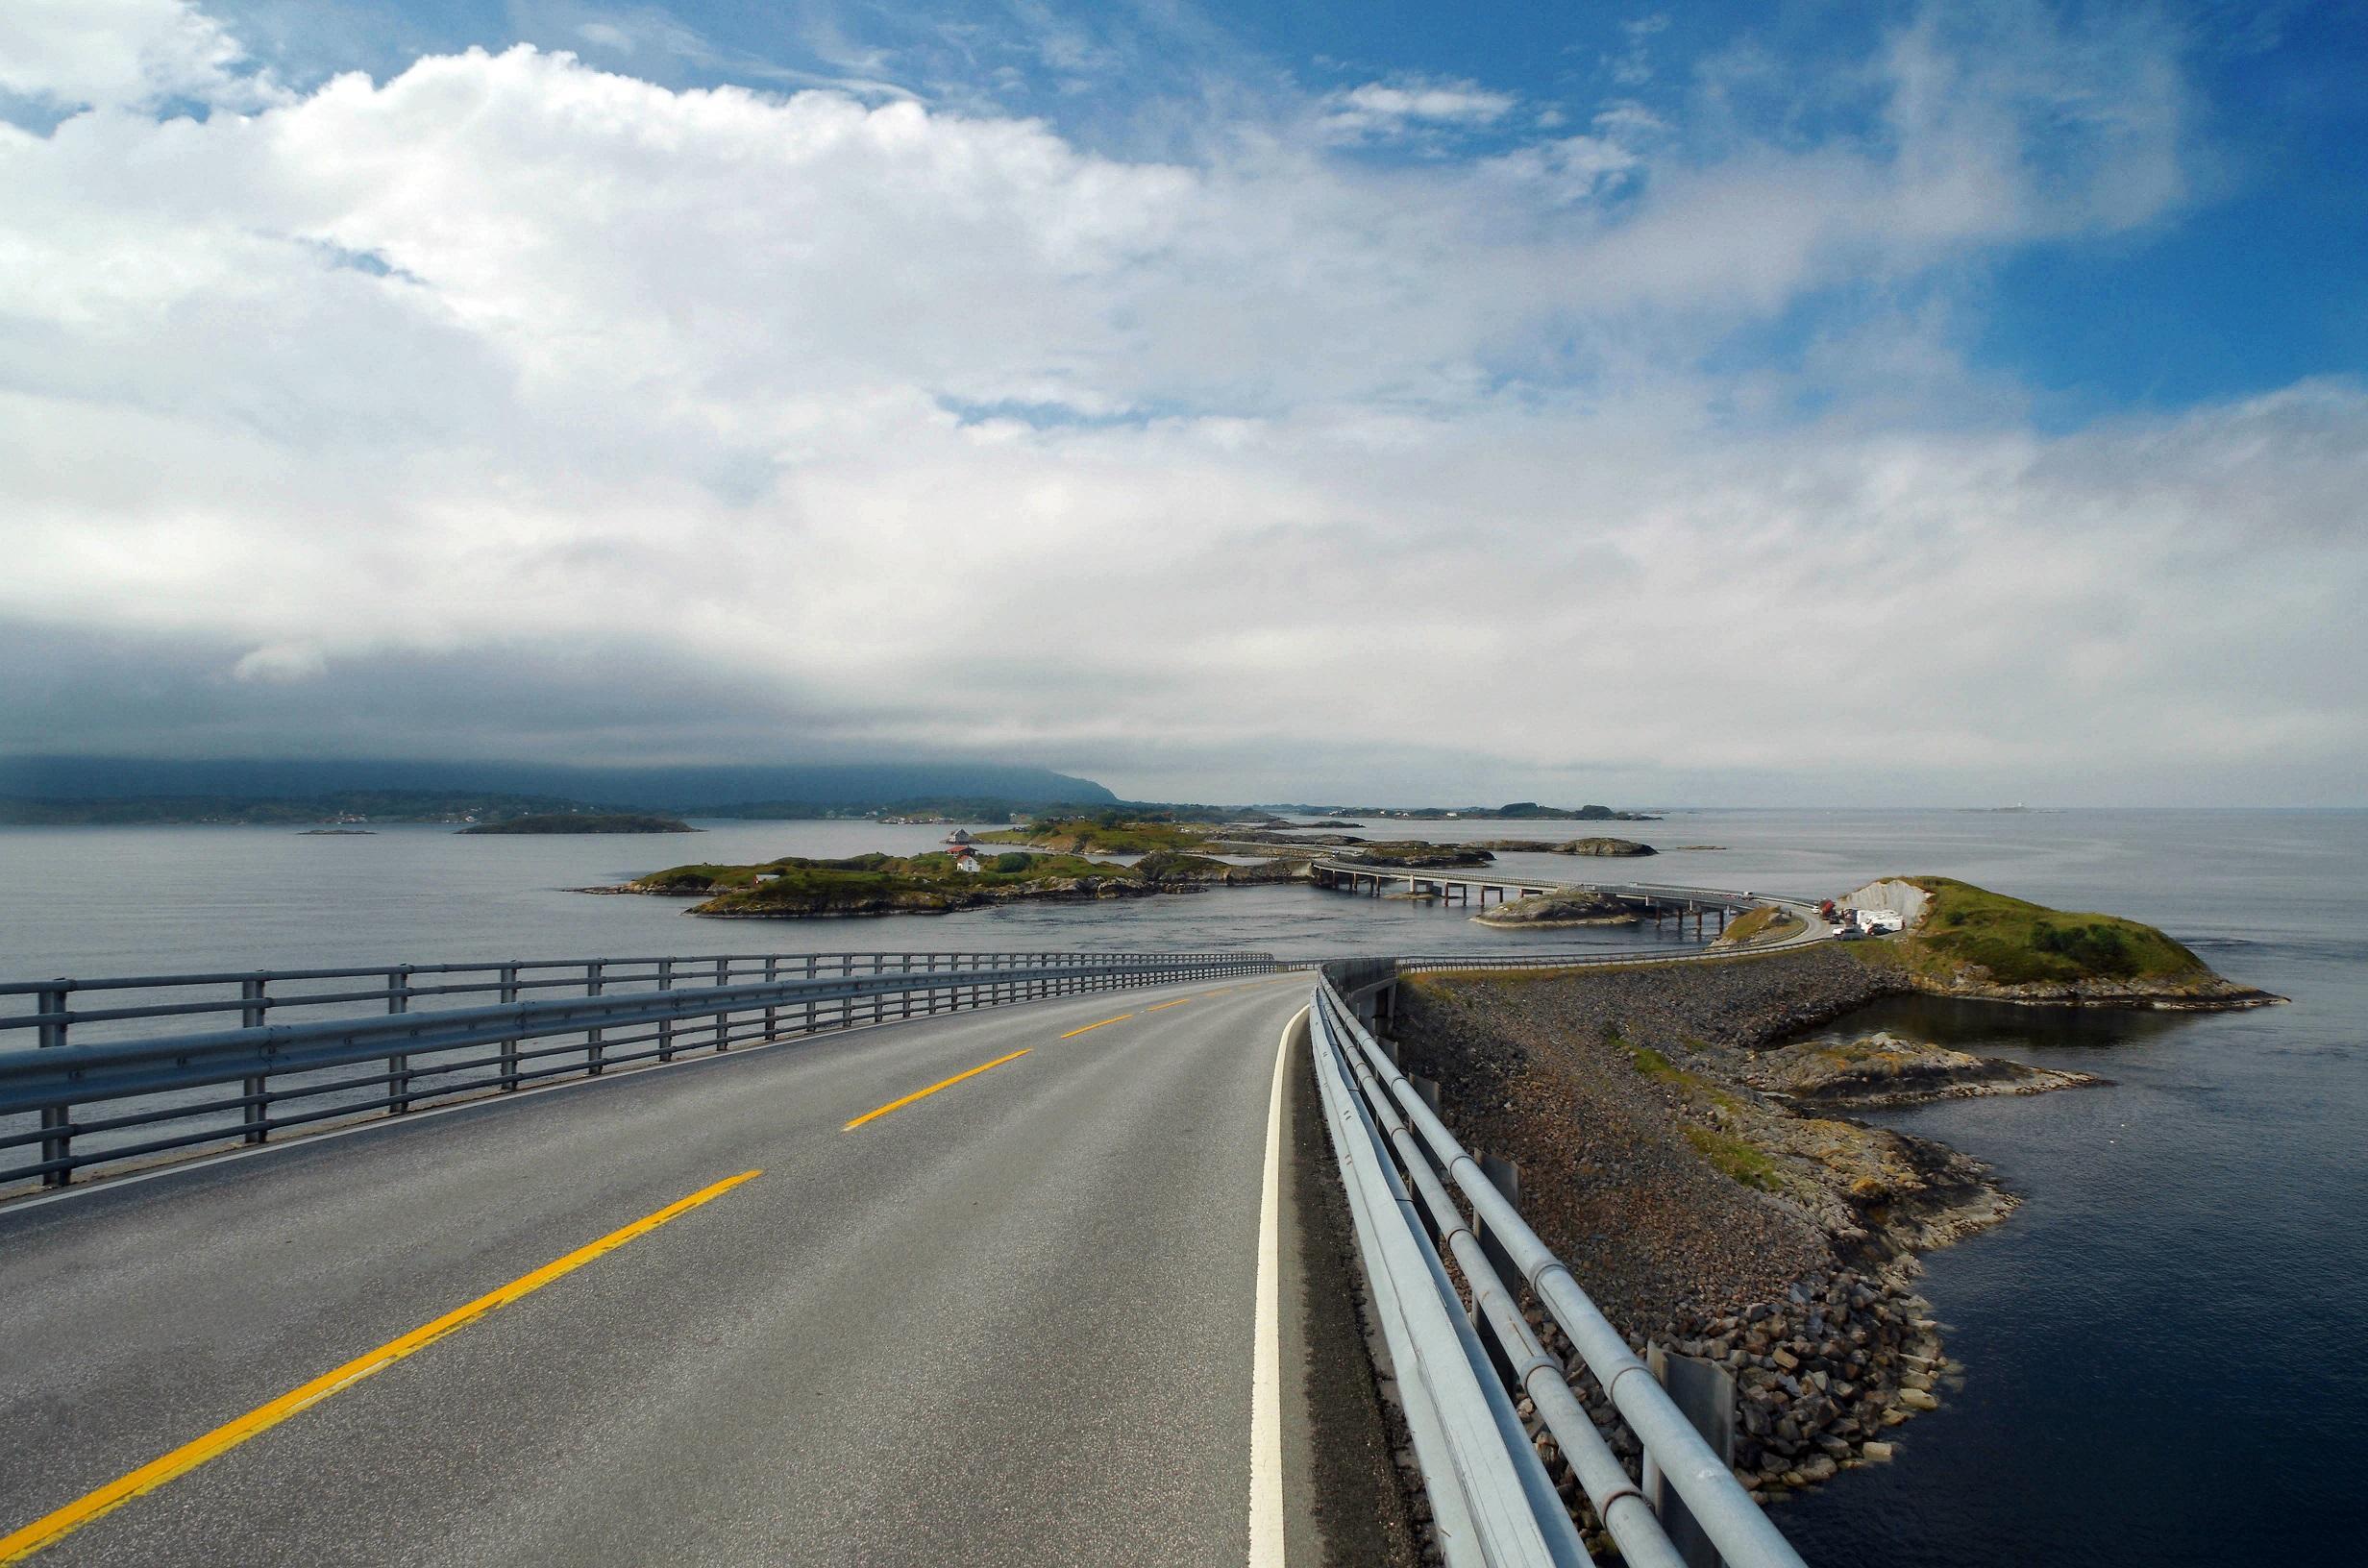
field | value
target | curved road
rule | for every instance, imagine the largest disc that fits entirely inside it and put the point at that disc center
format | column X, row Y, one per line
column 1012, row 1321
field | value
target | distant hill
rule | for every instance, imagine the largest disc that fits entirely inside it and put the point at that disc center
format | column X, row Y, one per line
column 1517, row 811
column 119, row 789
column 586, row 821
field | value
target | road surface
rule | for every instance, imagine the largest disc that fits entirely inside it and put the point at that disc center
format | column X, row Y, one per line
column 1010, row 1321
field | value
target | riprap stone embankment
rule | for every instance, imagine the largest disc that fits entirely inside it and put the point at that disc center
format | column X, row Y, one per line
column 1700, row 1212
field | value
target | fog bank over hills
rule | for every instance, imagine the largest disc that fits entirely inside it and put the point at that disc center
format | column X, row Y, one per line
column 682, row 789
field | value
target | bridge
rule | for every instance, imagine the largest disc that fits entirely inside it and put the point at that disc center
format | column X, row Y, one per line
column 1457, row 886
column 989, row 1257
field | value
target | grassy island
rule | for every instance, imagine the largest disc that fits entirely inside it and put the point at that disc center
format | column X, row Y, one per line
column 1970, row 941
column 1101, row 836
column 794, row 888
column 586, row 821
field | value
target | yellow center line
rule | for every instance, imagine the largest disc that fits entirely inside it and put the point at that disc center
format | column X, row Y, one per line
column 54, row 1527
column 925, row 1093
column 1164, row 1006
column 1120, row 1018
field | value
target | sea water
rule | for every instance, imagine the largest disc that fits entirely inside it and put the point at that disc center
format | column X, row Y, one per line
column 2163, row 1346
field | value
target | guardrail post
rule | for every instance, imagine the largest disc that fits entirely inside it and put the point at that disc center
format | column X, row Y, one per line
column 595, row 1054
column 251, row 1017
column 722, row 1019
column 1704, row 1393
column 398, row 1063
column 508, row 993
column 1506, row 1177
column 773, row 1014
column 57, row 1143
column 666, row 1025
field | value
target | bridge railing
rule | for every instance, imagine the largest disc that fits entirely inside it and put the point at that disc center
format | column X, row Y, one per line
column 84, row 1086
column 1489, row 1493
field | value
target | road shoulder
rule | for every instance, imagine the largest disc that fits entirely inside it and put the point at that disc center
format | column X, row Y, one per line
column 1343, row 1491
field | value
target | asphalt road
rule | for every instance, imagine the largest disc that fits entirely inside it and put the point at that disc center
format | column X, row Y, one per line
column 1011, row 1322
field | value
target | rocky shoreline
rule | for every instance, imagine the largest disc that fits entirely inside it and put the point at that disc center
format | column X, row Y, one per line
column 1883, row 1071
column 2203, row 993
column 1704, row 1212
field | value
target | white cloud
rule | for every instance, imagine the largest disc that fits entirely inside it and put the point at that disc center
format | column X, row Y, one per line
column 1567, row 169
column 1380, row 109
column 110, row 53
column 506, row 359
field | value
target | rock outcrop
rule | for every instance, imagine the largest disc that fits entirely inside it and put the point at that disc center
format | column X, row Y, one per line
column 1562, row 907
column 1884, row 1069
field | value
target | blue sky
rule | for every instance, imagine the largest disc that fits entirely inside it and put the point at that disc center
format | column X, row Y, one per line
column 1981, row 382
column 2252, row 281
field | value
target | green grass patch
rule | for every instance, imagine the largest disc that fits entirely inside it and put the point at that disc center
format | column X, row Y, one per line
column 1766, row 922
column 1656, row 1066
column 2020, row 942
column 1735, row 1157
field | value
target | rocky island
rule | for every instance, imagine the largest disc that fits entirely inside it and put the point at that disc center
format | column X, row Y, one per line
column 1562, row 907
column 1112, row 835
column 1680, row 1147
column 1604, row 847
column 1882, row 1071
column 796, row 887
column 1105, row 835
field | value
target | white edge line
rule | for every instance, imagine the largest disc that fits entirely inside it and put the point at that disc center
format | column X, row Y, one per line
column 1265, row 1378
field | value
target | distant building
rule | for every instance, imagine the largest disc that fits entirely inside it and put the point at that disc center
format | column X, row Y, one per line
column 960, row 835
column 966, row 862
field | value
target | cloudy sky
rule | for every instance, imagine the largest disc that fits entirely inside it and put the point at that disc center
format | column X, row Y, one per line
column 1752, row 404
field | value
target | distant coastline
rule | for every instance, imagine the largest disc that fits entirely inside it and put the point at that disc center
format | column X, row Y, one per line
column 589, row 822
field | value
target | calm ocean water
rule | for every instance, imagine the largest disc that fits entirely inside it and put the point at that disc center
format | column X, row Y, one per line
column 2163, row 1346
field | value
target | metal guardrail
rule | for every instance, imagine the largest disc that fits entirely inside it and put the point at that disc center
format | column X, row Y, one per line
column 1490, row 1499
column 146, row 1086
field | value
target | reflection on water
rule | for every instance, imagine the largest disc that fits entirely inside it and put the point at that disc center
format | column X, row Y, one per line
column 2000, row 1028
